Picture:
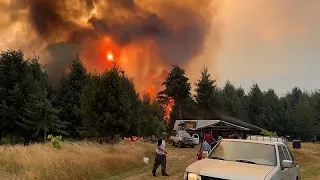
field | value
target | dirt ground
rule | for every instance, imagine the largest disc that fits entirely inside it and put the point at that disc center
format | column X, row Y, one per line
column 179, row 158
column 177, row 161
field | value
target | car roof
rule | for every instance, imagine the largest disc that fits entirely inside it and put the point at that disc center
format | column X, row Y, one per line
column 254, row 141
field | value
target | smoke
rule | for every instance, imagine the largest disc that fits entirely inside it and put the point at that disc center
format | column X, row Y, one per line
column 146, row 36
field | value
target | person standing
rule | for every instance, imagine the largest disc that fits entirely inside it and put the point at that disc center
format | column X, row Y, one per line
column 161, row 156
column 205, row 148
column 208, row 137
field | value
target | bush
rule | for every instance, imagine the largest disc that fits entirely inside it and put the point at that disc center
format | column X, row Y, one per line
column 268, row 133
column 55, row 141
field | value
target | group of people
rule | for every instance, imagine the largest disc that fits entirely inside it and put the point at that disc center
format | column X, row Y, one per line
column 207, row 144
column 161, row 153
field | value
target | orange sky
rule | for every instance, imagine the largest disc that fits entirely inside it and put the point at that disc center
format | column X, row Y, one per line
column 272, row 42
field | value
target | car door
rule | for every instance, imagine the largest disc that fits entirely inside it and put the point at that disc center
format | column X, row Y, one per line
column 196, row 138
column 285, row 173
column 293, row 172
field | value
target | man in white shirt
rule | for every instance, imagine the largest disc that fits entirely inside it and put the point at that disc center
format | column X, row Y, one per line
column 161, row 156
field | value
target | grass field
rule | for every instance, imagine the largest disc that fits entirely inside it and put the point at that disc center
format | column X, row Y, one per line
column 73, row 161
column 309, row 159
column 85, row 160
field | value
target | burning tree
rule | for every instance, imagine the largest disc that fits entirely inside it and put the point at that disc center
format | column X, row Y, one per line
column 177, row 90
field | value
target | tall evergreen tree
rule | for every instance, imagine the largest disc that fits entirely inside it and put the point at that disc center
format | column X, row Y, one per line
column 39, row 116
column 231, row 101
column 109, row 106
column 205, row 93
column 243, row 110
column 69, row 95
column 177, row 86
column 305, row 119
column 14, row 90
column 255, row 105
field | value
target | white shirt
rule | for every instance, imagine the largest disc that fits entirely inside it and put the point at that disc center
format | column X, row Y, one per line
column 162, row 144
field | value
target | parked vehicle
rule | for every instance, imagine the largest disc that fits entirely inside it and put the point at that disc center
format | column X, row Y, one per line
column 196, row 139
column 182, row 139
column 237, row 159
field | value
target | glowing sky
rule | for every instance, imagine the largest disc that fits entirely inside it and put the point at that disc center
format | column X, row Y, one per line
column 275, row 43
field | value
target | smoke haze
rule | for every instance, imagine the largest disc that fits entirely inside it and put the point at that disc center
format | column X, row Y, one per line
column 146, row 37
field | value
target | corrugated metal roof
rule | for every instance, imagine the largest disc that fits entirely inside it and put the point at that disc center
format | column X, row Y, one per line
column 204, row 123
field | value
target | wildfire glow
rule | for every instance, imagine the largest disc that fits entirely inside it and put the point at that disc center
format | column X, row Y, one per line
column 110, row 56
column 168, row 109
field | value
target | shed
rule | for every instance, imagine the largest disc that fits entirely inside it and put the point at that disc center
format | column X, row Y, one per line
column 213, row 126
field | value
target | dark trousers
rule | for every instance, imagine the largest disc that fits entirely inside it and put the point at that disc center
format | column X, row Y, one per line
column 160, row 159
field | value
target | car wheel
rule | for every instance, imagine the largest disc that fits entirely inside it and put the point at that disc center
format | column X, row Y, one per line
column 173, row 144
column 180, row 144
column 192, row 146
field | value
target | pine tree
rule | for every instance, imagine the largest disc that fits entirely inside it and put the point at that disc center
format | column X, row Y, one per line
column 255, row 105
column 231, row 101
column 69, row 95
column 177, row 86
column 205, row 93
column 14, row 90
column 39, row 116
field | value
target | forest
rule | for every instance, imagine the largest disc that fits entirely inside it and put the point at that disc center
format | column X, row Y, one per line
column 104, row 107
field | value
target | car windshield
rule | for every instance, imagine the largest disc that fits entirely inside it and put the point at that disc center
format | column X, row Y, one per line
column 253, row 153
column 184, row 135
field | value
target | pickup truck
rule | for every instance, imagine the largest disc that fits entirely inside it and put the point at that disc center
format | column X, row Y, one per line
column 182, row 139
column 237, row 159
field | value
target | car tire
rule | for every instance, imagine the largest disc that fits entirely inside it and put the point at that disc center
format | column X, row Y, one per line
column 173, row 144
column 180, row 145
column 192, row 146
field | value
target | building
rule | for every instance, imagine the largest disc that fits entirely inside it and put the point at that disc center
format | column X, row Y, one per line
column 214, row 127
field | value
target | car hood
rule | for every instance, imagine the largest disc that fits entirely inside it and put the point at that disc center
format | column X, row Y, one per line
column 229, row 169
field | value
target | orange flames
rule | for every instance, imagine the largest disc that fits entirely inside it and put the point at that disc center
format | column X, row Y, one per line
column 154, row 86
column 168, row 109
column 99, row 55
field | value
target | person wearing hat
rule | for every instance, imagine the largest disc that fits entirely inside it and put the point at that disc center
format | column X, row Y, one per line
column 161, row 156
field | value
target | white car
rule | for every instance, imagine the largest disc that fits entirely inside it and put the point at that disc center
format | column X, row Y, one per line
column 182, row 139
column 196, row 139
column 236, row 159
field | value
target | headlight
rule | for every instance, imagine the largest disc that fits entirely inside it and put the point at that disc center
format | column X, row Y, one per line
column 191, row 176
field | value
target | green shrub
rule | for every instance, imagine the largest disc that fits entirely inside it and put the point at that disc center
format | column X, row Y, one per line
column 55, row 141
column 268, row 133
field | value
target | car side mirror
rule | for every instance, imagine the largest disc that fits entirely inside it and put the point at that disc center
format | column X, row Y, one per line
column 177, row 135
column 287, row 164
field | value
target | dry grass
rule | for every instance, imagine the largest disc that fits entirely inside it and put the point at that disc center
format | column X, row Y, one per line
column 82, row 160
column 309, row 159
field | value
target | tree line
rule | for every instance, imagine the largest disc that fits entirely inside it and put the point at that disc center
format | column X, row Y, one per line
column 297, row 113
column 106, row 106
column 84, row 105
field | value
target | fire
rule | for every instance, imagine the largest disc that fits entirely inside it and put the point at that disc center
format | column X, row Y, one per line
column 98, row 55
column 110, row 56
column 168, row 109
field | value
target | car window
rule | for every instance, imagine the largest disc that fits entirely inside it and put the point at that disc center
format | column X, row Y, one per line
column 292, row 157
column 286, row 153
column 196, row 136
column 263, row 154
column 281, row 155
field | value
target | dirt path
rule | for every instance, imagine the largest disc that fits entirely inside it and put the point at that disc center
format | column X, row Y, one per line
column 177, row 162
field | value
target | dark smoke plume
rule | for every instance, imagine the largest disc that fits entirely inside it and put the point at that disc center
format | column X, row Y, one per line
column 177, row 28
